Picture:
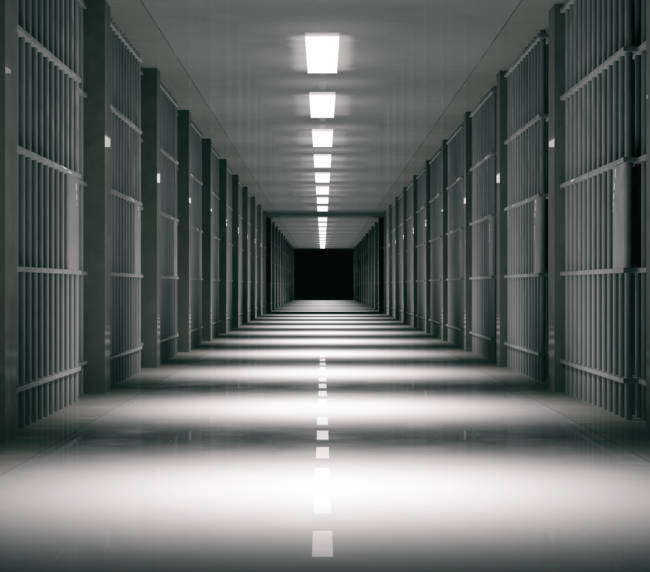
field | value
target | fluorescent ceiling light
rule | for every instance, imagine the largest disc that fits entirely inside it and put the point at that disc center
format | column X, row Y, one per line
column 322, row 190
column 322, row 137
column 322, row 177
column 322, row 53
column 322, row 208
column 322, row 161
column 322, row 200
column 322, row 219
column 322, row 104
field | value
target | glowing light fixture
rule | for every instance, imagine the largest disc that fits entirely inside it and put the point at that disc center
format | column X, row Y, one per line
column 322, row 177
column 322, row 200
column 322, row 208
column 322, row 137
column 322, row 161
column 322, row 190
column 322, row 53
column 322, row 104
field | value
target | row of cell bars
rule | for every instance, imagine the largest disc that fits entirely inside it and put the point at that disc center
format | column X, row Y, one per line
column 51, row 222
column 50, row 206
column 603, row 265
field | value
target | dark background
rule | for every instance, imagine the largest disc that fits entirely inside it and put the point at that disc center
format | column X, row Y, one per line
column 323, row 274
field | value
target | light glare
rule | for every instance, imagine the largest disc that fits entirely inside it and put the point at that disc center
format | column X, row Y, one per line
column 322, row 161
column 322, row 177
column 322, row 137
column 322, row 53
column 322, row 104
column 322, row 190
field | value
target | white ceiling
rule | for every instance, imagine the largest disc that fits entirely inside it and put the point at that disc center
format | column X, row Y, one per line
column 401, row 63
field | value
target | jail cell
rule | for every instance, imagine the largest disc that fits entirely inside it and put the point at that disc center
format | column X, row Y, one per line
column 366, row 268
column 215, row 238
column 388, row 254
column 604, row 190
column 392, row 212
column 409, row 250
column 261, row 262
column 482, row 278
column 526, row 145
column 126, row 275
column 196, row 234
column 235, row 282
column 252, row 248
column 438, row 244
column 455, row 214
column 50, row 208
column 168, row 225
column 421, row 245
column 400, row 257
column 245, row 274
column 229, row 247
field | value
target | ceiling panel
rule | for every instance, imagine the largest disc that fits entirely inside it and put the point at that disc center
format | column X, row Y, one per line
column 401, row 63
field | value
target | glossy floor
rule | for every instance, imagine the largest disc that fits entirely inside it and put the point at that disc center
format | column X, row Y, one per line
column 337, row 440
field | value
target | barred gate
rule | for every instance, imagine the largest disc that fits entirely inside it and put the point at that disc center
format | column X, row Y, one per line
column 483, row 210
column 50, row 208
column 526, row 143
column 604, row 195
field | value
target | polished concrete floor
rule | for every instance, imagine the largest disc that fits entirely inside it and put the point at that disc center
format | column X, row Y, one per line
column 325, row 437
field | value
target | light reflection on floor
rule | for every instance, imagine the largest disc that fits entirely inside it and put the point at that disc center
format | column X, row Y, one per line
column 417, row 457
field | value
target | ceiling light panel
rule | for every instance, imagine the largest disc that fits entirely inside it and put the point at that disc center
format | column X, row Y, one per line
column 322, row 161
column 322, row 177
column 322, row 104
column 322, row 53
column 322, row 190
column 322, row 137
column 322, row 200
column 322, row 208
